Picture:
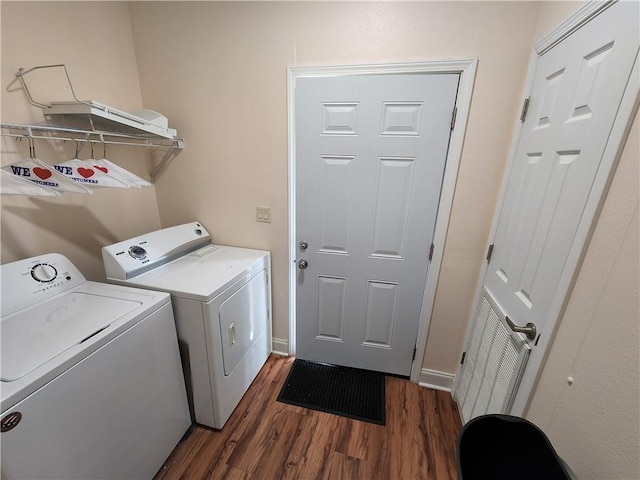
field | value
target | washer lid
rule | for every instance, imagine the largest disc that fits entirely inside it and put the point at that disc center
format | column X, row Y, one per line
column 32, row 337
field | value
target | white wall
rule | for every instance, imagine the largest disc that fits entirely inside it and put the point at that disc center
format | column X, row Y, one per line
column 225, row 66
column 94, row 40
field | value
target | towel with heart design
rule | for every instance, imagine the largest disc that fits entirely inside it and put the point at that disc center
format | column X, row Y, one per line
column 45, row 175
column 118, row 172
column 11, row 184
column 83, row 173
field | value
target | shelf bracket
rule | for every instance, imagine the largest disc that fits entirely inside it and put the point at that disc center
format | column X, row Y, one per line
column 166, row 159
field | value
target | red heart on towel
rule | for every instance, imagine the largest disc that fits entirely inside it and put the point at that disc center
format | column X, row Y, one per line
column 102, row 169
column 42, row 173
column 86, row 172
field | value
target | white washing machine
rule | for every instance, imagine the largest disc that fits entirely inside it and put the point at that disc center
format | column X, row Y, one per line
column 221, row 298
column 92, row 384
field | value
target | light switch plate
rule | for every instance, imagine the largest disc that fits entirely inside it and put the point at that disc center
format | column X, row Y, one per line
column 263, row 214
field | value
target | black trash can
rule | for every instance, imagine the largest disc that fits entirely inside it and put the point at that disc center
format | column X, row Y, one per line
column 503, row 447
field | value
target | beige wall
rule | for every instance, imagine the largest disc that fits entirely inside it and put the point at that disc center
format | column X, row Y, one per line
column 94, row 41
column 218, row 70
column 553, row 13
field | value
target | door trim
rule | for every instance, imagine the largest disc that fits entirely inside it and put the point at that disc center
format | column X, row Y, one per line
column 613, row 149
column 467, row 70
column 573, row 23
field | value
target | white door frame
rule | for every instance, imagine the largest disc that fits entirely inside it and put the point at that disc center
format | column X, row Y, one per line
column 611, row 155
column 467, row 70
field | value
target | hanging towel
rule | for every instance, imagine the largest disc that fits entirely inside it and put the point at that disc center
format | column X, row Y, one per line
column 11, row 184
column 85, row 174
column 45, row 175
column 111, row 172
column 113, row 169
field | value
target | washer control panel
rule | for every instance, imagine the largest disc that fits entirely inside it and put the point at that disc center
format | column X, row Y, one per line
column 32, row 280
column 137, row 255
column 44, row 272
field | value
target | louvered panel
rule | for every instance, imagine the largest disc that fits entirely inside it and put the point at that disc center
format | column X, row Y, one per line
column 494, row 358
column 467, row 374
column 478, row 374
column 493, row 365
column 472, row 353
column 508, row 373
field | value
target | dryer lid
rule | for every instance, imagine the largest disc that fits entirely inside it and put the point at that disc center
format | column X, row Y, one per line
column 203, row 274
column 32, row 337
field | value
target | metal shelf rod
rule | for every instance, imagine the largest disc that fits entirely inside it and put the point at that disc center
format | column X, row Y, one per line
column 101, row 137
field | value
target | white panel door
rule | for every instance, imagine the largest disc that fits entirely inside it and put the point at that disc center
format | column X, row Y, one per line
column 370, row 156
column 577, row 90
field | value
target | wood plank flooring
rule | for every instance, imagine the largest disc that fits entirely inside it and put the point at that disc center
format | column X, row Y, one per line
column 265, row 439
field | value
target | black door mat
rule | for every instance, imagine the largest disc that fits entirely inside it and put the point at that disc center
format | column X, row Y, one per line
column 349, row 392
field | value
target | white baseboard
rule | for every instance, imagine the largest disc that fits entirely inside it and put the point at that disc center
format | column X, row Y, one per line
column 280, row 346
column 436, row 380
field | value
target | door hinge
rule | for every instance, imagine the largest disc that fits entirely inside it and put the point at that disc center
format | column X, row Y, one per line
column 525, row 109
column 464, row 354
column 414, row 354
column 489, row 253
column 453, row 117
column 431, row 252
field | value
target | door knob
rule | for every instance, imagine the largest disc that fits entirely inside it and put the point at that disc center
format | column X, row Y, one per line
column 529, row 329
column 302, row 264
column 303, row 245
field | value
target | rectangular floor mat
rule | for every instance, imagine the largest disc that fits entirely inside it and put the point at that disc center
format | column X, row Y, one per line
column 349, row 392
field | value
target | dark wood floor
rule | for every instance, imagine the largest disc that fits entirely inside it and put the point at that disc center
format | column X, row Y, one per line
column 265, row 439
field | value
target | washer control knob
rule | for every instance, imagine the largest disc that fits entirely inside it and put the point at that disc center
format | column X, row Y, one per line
column 43, row 272
column 137, row 252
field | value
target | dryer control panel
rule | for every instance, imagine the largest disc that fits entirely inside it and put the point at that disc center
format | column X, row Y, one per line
column 27, row 282
column 129, row 258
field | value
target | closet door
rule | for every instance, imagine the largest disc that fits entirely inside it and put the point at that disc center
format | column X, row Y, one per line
column 557, row 178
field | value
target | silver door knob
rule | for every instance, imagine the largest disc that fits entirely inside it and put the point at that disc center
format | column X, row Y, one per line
column 302, row 264
column 529, row 329
column 303, row 245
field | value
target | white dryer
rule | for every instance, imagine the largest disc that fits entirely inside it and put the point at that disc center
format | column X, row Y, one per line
column 221, row 298
column 91, row 379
